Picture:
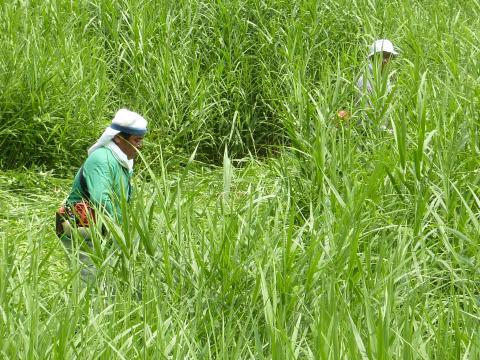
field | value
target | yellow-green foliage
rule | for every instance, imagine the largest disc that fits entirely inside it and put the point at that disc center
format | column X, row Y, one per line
column 261, row 227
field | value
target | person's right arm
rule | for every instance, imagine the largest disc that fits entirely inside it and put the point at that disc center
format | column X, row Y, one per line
column 98, row 172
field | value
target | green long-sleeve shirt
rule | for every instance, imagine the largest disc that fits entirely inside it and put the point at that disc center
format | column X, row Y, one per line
column 107, row 182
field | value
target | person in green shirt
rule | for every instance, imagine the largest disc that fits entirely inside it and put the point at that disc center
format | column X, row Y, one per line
column 101, row 184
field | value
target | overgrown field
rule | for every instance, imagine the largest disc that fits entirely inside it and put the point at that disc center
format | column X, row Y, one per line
column 260, row 227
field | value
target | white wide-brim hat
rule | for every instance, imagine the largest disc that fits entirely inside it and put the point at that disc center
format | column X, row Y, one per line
column 382, row 45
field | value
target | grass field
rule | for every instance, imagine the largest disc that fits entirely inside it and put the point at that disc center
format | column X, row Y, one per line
column 259, row 229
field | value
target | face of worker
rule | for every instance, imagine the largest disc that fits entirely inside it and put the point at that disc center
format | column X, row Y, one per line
column 383, row 58
column 129, row 146
column 386, row 58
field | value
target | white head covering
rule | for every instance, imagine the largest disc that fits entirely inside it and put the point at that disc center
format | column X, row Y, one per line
column 124, row 121
column 382, row 45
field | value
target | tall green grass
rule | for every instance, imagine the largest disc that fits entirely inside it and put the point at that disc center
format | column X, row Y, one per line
column 205, row 74
column 228, row 265
column 342, row 244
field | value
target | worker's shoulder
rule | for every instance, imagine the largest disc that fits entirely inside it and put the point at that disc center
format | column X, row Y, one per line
column 101, row 157
column 360, row 82
column 364, row 83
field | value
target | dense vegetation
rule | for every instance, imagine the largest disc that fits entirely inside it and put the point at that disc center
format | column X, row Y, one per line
column 261, row 228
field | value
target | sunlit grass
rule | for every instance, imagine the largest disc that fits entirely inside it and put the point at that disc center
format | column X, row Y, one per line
column 303, row 240
column 248, row 274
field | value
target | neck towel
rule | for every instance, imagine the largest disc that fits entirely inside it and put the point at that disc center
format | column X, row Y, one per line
column 120, row 156
column 124, row 121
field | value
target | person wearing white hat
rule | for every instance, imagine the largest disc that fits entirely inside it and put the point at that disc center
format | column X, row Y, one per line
column 374, row 85
column 380, row 54
column 383, row 46
column 102, row 182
